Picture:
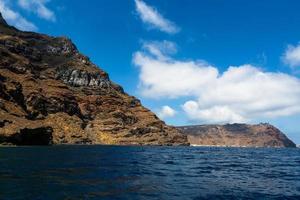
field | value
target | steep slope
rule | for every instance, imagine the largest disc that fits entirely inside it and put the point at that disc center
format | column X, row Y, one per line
column 260, row 135
column 52, row 94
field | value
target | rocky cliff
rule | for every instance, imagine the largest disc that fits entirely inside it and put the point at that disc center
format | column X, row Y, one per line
column 52, row 94
column 238, row 135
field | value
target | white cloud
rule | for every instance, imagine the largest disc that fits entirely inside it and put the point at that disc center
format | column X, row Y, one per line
column 291, row 56
column 152, row 17
column 161, row 50
column 15, row 19
column 162, row 76
column 244, row 93
column 38, row 7
column 240, row 94
column 214, row 114
column 166, row 112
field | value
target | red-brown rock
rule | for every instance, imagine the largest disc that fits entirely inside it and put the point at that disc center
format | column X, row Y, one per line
column 52, row 94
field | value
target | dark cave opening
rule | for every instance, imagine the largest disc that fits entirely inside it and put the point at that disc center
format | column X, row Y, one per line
column 37, row 136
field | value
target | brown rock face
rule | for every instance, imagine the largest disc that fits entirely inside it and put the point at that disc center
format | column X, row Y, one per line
column 52, row 94
column 236, row 135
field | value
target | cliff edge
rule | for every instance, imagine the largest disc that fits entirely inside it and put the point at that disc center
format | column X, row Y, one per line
column 52, row 94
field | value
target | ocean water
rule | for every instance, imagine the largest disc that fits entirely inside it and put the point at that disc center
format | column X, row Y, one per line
column 110, row 172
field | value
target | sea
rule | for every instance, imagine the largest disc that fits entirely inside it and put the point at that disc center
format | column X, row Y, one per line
column 145, row 172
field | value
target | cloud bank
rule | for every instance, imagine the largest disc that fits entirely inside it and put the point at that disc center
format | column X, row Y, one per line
column 240, row 94
column 150, row 16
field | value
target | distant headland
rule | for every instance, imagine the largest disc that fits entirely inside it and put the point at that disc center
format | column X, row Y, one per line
column 237, row 135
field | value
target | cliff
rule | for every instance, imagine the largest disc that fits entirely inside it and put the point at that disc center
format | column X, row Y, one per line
column 52, row 94
column 238, row 135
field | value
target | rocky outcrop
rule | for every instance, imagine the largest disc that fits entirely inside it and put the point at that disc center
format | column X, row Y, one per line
column 236, row 135
column 78, row 78
column 52, row 94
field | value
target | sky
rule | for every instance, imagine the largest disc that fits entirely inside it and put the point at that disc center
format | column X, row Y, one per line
column 191, row 62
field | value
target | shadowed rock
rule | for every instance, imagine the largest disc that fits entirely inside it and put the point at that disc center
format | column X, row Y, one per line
column 2, row 21
column 37, row 136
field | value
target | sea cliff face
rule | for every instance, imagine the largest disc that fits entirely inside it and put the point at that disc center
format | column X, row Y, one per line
column 52, row 94
column 236, row 135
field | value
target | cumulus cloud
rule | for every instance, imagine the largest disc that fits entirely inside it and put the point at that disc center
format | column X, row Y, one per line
column 39, row 8
column 245, row 92
column 291, row 56
column 15, row 18
column 150, row 16
column 240, row 94
column 166, row 112
column 213, row 114
column 162, row 76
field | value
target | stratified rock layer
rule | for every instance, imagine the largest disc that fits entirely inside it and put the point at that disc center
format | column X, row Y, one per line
column 52, row 94
column 236, row 135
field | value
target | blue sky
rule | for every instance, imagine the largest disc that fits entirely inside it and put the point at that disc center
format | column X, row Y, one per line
column 192, row 62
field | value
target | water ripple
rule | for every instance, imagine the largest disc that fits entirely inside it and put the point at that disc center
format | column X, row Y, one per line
column 108, row 172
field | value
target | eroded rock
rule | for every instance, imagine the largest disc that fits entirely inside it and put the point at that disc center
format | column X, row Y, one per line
column 75, row 77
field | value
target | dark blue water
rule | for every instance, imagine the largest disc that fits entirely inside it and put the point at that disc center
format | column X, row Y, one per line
column 107, row 172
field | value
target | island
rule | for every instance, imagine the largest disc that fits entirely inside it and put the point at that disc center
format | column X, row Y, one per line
column 236, row 135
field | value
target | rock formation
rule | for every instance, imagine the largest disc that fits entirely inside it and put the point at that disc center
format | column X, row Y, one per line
column 237, row 135
column 52, row 94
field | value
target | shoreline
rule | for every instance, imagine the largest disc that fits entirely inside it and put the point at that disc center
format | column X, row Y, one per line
column 107, row 145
